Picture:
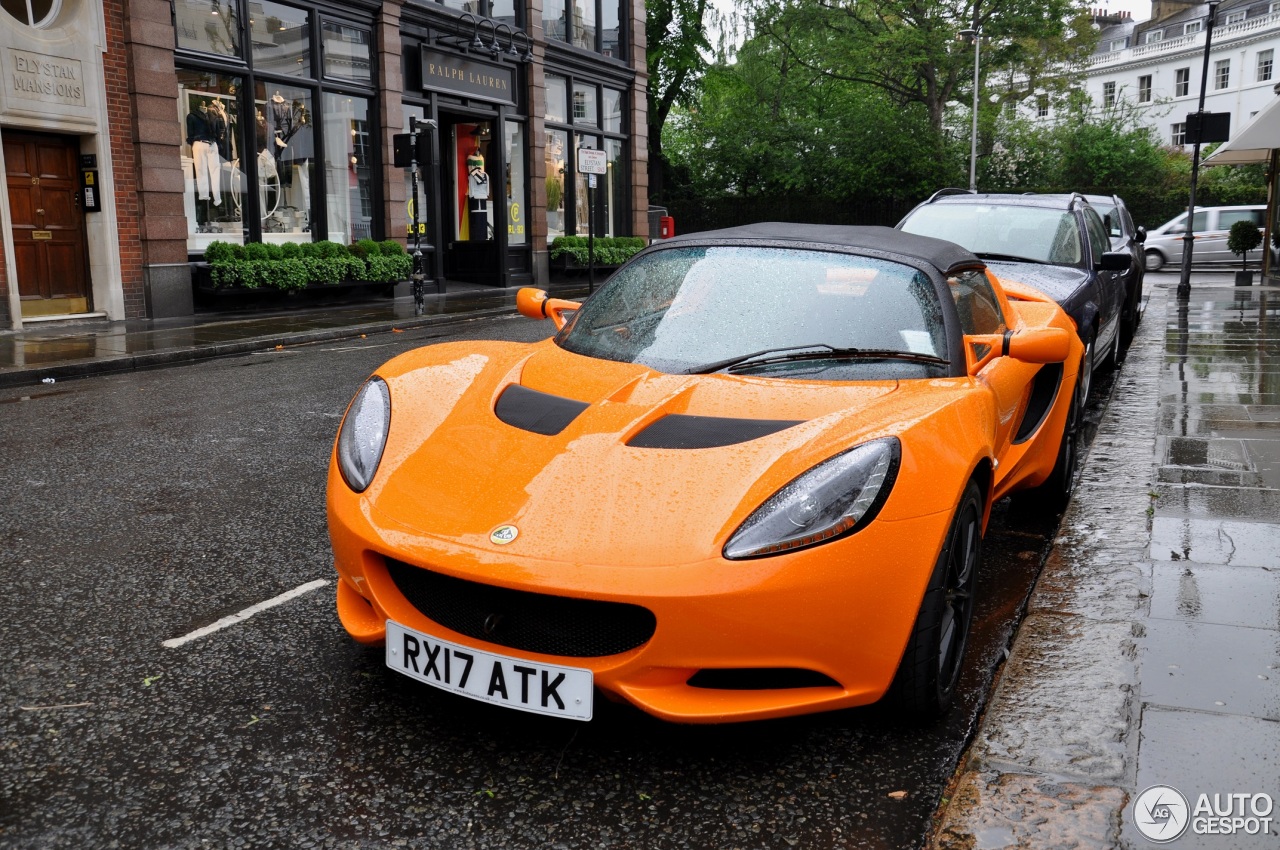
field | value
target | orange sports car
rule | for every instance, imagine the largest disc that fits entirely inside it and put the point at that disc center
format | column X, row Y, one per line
column 747, row 478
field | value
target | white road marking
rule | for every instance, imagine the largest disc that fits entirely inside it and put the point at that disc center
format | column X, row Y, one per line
column 240, row 616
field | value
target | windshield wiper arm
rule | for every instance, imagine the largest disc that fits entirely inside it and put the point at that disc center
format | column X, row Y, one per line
column 807, row 352
column 1013, row 258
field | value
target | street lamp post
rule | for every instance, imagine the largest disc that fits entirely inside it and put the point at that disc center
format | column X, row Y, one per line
column 1188, row 235
column 974, row 35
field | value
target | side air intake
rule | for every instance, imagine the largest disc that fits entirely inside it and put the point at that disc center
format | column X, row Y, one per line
column 541, row 413
column 679, row 431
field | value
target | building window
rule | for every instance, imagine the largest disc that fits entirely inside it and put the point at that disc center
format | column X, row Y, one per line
column 1118, row 44
column 1042, row 107
column 1144, row 89
column 1108, row 94
column 1193, row 27
column 272, row 154
column 1266, row 61
column 517, row 210
column 590, row 24
column 35, row 13
column 1181, row 82
column 594, row 120
column 1179, row 134
column 1152, row 37
column 1222, row 74
column 1234, row 18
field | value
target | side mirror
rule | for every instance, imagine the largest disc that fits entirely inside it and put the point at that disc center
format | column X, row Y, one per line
column 1141, row 235
column 1037, row 345
column 535, row 304
column 1116, row 261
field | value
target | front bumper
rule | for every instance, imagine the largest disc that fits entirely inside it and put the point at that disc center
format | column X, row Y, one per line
column 843, row 610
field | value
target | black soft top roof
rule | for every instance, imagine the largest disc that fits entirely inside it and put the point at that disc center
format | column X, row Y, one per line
column 942, row 255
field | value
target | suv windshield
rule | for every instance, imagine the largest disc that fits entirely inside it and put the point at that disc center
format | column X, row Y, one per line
column 1013, row 231
column 680, row 309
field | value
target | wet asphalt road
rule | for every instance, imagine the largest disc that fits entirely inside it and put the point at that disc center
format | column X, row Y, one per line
column 142, row 506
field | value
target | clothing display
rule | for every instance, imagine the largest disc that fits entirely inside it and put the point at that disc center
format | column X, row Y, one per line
column 208, row 165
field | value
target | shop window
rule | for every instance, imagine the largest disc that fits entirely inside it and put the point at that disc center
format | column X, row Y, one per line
column 348, row 154
column 423, row 206
column 347, row 52
column 580, row 185
column 614, row 190
column 517, row 209
column 557, row 88
column 584, row 105
column 612, row 111
column 557, row 155
column 209, row 26
column 471, row 155
column 281, row 38
column 212, row 158
column 284, row 147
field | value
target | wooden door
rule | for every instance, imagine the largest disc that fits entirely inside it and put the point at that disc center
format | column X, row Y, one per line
column 50, row 257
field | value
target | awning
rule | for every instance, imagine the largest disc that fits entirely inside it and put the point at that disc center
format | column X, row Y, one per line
column 1254, row 142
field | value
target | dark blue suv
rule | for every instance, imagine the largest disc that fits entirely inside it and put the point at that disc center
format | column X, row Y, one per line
column 1055, row 243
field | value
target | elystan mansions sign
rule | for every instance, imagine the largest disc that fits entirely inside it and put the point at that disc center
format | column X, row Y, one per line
column 47, row 79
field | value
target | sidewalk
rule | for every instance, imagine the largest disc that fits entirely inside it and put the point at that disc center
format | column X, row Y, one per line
column 77, row 349
column 1150, row 654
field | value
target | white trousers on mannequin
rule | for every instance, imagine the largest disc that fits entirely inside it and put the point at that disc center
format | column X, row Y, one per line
column 208, row 170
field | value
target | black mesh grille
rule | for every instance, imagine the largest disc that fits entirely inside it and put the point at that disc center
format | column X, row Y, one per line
column 760, row 679
column 532, row 622
column 541, row 413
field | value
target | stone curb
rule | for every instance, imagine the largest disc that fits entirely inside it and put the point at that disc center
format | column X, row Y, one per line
column 1053, row 762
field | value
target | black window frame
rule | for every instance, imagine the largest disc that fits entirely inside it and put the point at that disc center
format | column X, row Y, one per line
column 576, row 128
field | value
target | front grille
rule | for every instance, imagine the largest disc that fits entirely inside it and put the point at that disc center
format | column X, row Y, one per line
column 760, row 679
column 531, row 622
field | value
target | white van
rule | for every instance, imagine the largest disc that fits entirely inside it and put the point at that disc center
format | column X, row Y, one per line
column 1164, row 244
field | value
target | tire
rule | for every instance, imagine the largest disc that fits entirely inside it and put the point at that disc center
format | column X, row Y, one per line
column 925, row 683
column 1053, row 495
column 1155, row 261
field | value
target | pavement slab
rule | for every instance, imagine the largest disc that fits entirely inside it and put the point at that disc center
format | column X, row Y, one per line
column 1030, row 812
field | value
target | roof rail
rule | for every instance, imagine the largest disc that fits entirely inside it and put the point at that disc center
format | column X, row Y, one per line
column 949, row 191
column 1076, row 196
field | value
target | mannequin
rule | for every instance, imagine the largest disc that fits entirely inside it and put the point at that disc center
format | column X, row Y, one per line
column 204, row 152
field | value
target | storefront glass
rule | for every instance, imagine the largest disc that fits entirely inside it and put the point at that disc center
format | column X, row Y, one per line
column 517, row 215
column 612, row 111
column 210, row 26
column 212, row 150
column 281, row 37
column 584, row 105
column 347, row 54
column 348, row 153
column 614, row 189
column 556, row 161
column 424, row 208
column 580, row 185
column 557, row 88
column 284, row 147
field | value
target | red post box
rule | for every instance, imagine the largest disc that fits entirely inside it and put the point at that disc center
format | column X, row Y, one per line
column 666, row 227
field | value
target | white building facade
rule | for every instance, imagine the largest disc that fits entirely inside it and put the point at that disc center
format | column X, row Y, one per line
column 1156, row 66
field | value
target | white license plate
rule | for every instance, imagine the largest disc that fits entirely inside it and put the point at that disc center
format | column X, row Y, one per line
column 510, row 682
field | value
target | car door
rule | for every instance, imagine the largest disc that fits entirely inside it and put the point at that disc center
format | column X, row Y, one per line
column 1211, row 242
column 1112, row 286
column 1226, row 218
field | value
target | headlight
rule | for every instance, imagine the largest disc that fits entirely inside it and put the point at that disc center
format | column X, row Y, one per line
column 364, row 434
column 836, row 497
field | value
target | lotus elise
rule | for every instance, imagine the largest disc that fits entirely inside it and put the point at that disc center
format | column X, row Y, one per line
column 747, row 478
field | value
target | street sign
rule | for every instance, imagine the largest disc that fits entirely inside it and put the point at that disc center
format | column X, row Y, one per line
column 592, row 161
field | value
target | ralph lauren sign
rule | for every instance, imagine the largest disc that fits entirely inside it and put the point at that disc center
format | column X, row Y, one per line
column 461, row 76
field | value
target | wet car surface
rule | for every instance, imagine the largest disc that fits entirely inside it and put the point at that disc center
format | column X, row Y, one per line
column 150, row 505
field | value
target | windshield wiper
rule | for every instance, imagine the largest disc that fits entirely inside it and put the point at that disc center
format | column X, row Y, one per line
column 806, row 352
column 1012, row 258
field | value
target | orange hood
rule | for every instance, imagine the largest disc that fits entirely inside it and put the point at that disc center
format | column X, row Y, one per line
column 454, row 471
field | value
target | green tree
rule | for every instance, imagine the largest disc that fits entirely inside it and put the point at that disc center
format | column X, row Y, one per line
column 910, row 48
column 678, row 50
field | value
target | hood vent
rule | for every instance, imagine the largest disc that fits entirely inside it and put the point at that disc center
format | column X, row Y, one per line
column 680, row 431
column 541, row 413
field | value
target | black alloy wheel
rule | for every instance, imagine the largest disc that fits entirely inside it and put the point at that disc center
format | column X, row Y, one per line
column 925, row 684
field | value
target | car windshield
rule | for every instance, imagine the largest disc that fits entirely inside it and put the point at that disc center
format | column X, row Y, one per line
column 1012, row 231
column 685, row 309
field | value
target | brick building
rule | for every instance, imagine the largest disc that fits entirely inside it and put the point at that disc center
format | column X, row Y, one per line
column 136, row 132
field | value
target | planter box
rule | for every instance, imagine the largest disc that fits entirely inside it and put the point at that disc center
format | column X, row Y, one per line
column 1244, row 278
